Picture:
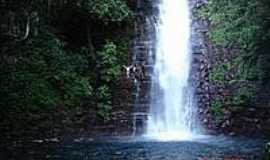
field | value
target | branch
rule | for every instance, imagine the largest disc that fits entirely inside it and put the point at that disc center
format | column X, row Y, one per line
column 11, row 35
column 27, row 30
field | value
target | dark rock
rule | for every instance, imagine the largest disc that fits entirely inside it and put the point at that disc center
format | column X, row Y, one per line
column 267, row 151
column 117, row 153
column 78, row 140
column 38, row 141
column 232, row 134
column 252, row 109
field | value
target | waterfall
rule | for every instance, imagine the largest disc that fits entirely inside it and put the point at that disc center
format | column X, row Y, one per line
column 172, row 108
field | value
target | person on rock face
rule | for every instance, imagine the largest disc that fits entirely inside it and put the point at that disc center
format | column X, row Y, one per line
column 135, row 70
column 129, row 70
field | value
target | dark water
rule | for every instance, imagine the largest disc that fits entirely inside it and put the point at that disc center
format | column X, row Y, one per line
column 215, row 148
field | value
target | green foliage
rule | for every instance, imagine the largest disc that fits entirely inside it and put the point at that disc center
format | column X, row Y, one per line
column 42, row 74
column 218, row 72
column 216, row 109
column 236, row 22
column 244, row 26
column 103, row 102
column 247, row 71
column 52, row 72
column 241, row 97
column 110, row 61
column 106, row 10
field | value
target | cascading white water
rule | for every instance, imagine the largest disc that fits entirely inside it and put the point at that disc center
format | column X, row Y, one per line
column 171, row 110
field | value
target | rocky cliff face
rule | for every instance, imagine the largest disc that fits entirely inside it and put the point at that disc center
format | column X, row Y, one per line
column 199, row 77
column 131, row 100
column 142, row 61
column 225, row 105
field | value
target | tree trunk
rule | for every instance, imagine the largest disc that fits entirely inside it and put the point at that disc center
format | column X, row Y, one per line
column 90, row 43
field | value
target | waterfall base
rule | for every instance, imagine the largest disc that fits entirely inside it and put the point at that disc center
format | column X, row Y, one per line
column 175, row 136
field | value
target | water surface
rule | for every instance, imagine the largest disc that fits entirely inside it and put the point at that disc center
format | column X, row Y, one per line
column 212, row 148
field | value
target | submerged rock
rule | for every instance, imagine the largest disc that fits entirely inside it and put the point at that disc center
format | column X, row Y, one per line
column 52, row 140
column 37, row 141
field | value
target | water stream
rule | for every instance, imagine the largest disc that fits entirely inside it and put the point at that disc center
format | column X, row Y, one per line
column 172, row 111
